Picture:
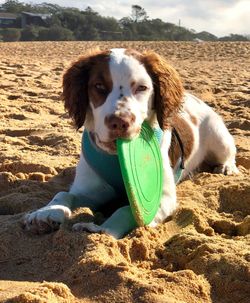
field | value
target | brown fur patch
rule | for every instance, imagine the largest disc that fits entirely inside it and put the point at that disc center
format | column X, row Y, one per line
column 132, row 52
column 193, row 119
column 187, row 138
column 79, row 79
column 99, row 74
column 168, row 87
column 75, row 84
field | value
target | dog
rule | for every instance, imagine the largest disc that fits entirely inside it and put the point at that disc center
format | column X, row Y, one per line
column 112, row 93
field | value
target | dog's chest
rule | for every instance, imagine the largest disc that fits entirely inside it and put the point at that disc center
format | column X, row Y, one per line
column 105, row 165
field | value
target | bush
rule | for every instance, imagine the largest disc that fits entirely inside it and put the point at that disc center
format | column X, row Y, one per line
column 11, row 34
column 29, row 33
column 234, row 37
column 55, row 33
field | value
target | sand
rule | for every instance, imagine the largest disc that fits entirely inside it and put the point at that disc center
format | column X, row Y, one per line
column 201, row 254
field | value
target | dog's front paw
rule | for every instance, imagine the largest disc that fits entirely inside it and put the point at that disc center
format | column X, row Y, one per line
column 226, row 169
column 46, row 219
column 93, row 228
column 89, row 227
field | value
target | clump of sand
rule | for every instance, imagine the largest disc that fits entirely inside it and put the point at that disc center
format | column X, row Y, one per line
column 201, row 254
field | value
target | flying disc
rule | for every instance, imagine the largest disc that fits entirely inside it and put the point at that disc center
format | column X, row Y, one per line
column 141, row 166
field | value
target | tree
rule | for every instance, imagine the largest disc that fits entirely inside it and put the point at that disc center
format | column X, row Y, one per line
column 129, row 29
column 29, row 33
column 90, row 11
column 125, row 21
column 138, row 13
column 71, row 19
column 87, row 32
column 234, row 37
column 47, row 8
column 55, row 33
column 11, row 34
column 13, row 6
column 108, row 28
column 205, row 36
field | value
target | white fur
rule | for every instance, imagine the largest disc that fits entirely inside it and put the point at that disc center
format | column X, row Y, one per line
column 212, row 142
column 94, row 187
column 124, row 70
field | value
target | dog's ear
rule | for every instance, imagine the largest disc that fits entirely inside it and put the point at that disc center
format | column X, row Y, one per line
column 75, row 86
column 168, row 89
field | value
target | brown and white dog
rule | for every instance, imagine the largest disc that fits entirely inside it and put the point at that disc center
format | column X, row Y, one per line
column 111, row 93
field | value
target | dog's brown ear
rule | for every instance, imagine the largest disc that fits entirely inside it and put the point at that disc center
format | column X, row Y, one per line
column 75, row 86
column 168, row 87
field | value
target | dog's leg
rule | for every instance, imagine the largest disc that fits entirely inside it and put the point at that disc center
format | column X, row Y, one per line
column 118, row 225
column 220, row 146
column 88, row 190
column 50, row 217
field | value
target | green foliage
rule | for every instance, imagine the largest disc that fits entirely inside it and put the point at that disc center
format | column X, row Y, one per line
column 13, row 6
column 29, row 33
column 11, row 34
column 234, row 37
column 87, row 33
column 88, row 25
column 90, row 11
column 138, row 13
column 70, row 19
column 46, row 8
column 205, row 36
column 55, row 33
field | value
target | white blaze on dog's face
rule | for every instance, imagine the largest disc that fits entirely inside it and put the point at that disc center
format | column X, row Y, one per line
column 120, row 96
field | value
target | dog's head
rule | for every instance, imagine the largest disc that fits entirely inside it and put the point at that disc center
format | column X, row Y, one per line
column 113, row 92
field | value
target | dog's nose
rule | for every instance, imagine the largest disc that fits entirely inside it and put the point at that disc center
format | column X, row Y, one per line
column 119, row 124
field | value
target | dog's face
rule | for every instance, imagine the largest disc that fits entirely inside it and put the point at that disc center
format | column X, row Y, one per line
column 114, row 91
column 120, row 94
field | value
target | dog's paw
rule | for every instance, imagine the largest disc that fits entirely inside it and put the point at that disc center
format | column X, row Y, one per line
column 46, row 219
column 89, row 227
column 226, row 169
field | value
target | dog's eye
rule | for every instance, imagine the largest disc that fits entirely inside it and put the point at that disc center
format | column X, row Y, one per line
column 141, row 88
column 101, row 88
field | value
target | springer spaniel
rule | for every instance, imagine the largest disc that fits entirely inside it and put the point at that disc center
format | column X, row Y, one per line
column 111, row 93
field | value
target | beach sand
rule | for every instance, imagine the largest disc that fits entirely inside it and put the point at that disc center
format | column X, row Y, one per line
column 201, row 254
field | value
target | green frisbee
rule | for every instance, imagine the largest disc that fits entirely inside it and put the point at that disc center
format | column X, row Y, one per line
column 141, row 166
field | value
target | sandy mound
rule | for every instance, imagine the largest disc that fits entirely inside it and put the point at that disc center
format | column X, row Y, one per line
column 202, row 254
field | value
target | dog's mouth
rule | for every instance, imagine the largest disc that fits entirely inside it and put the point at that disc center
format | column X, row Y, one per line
column 110, row 146
column 107, row 146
